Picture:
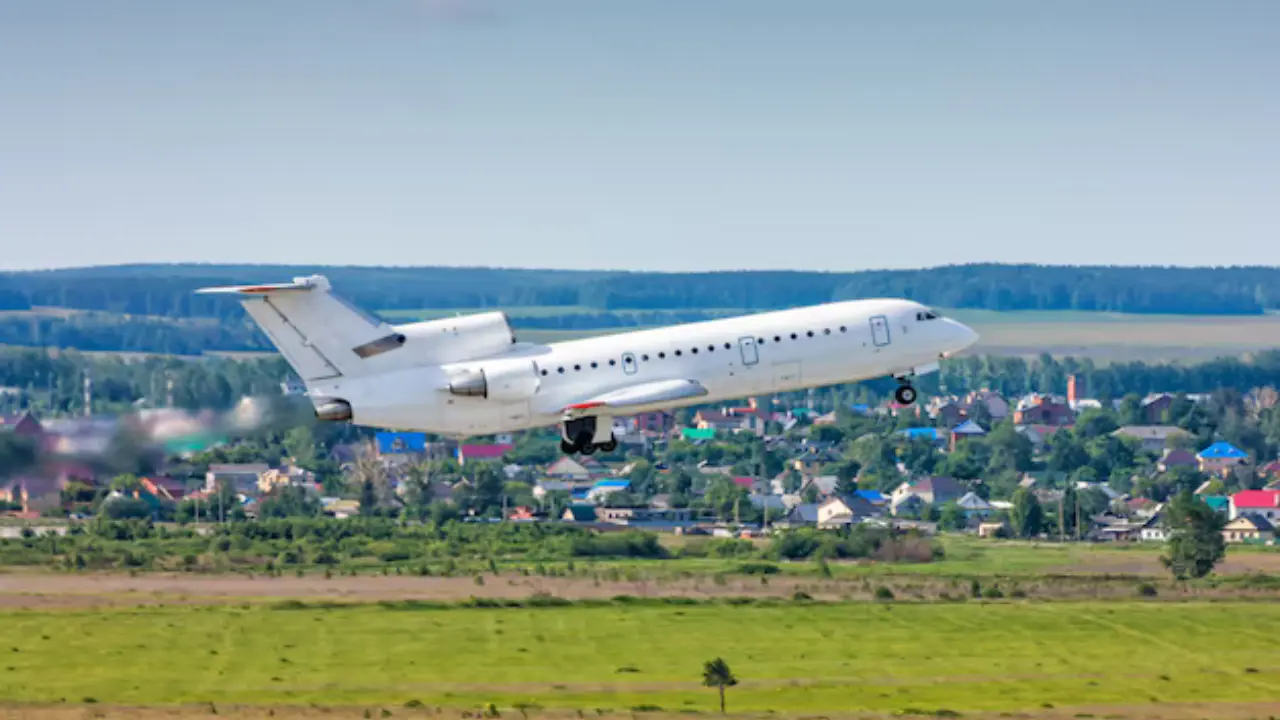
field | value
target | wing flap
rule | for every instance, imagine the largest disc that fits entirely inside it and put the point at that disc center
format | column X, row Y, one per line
column 637, row 396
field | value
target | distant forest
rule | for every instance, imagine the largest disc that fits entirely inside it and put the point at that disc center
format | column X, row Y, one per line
column 167, row 289
column 152, row 308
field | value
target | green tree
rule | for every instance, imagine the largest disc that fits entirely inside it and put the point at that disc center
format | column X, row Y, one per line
column 716, row 674
column 1027, row 516
column 952, row 517
column 1195, row 544
column 300, row 444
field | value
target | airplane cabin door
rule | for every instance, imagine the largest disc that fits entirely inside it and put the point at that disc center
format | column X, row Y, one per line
column 629, row 365
column 750, row 353
column 879, row 331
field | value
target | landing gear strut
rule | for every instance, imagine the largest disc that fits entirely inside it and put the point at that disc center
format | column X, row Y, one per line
column 905, row 394
column 581, row 435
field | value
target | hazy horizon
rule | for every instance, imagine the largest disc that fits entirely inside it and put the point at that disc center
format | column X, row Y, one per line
column 823, row 135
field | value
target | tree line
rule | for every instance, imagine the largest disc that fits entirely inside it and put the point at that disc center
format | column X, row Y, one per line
column 167, row 290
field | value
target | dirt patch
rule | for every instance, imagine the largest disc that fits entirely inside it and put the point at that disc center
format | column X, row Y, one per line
column 1239, row 563
column 99, row 590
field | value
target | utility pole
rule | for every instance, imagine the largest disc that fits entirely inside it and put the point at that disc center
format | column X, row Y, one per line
column 1062, row 527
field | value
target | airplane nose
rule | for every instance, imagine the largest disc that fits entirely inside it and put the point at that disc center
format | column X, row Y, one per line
column 965, row 335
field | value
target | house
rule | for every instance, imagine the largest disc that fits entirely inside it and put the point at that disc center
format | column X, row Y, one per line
column 604, row 488
column 965, row 430
column 566, row 468
column 997, row 406
column 1263, row 503
column 931, row 435
column 399, row 443
column 1154, row 438
column 801, row 515
column 774, row 505
column 1220, row 504
column 164, row 488
column 1043, row 410
column 579, row 513
column 1038, row 434
column 653, row 422
column 339, row 508
column 845, row 510
column 24, row 424
column 283, row 477
column 1221, row 458
column 974, row 506
column 1270, row 471
column 482, row 453
column 522, row 513
column 825, row 485
column 1155, row 408
column 998, row 529
column 1175, row 459
column 34, row 493
column 949, row 413
column 545, row 487
column 717, row 420
column 698, row 434
column 1249, row 528
column 1154, row 529
column 935, row 491
column 241, row 477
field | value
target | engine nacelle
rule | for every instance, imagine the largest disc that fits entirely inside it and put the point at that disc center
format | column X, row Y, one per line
column 333, row 410
column 457, row 339
column 502, row 380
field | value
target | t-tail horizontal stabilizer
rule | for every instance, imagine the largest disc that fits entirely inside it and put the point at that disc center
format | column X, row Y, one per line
column 321, row 335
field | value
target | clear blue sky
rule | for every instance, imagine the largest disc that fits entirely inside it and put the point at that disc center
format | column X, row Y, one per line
column 654, row 134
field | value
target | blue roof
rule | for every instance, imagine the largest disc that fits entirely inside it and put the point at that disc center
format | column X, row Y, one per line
column 612, row 483
column 1223, row 451
column 578, row 493
column 920, row 433
column 871, row 496
column 401, row 442
column 861, row 408
column 969, row 427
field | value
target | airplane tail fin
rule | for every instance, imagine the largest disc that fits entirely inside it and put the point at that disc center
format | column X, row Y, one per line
column 322, row 336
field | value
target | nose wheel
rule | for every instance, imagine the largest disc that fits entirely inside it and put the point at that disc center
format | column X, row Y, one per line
column 905, row 394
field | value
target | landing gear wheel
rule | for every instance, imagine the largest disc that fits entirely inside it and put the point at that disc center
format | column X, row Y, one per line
column 905, row 395
column 584, row 444
column 567, row 447
column 609, row 446
column 587, row 449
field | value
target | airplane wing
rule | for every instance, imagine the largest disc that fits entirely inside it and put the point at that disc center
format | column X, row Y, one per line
column 636, row 396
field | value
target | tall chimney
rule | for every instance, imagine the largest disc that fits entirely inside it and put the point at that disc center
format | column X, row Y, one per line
column 1075, row 389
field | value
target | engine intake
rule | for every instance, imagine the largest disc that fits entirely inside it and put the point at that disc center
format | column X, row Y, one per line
column 333, row 410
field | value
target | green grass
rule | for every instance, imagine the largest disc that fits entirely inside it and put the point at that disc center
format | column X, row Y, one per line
column 795, row 658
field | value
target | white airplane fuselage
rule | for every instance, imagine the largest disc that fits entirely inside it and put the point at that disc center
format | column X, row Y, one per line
column 731, row 358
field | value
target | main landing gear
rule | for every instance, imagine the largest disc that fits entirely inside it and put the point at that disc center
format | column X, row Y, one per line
column 581, row 435
column 905, row 394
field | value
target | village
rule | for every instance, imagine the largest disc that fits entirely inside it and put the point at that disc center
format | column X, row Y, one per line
column 711, row 474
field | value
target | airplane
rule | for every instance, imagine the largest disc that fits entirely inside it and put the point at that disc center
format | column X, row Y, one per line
column 467, row 375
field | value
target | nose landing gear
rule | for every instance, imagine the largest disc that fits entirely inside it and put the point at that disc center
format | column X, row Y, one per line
column 905, row 394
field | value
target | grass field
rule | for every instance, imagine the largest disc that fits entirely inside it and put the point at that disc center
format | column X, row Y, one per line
column 792, row 659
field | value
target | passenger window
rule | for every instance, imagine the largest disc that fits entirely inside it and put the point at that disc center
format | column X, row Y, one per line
column 711, row 348
column 794, row 336
column 677, row 353
column 694, row 351
column 843, row 328
column 594, row 364
column 826, row 331
column 810, row 333
column 662, row 356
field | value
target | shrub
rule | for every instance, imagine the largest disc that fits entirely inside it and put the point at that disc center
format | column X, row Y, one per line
column 992, row 593
column 758, row 568
column 883, row 593
column 1147, row 590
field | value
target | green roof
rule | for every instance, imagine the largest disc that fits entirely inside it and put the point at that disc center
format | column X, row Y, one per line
column 1217, row 502
column 698, row 433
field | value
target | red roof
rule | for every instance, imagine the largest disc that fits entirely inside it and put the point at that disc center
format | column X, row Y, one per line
column 1256, row 499
column 484, row 452
column 745, row 482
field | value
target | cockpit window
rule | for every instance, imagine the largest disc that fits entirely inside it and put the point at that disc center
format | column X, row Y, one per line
column 928, row 315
